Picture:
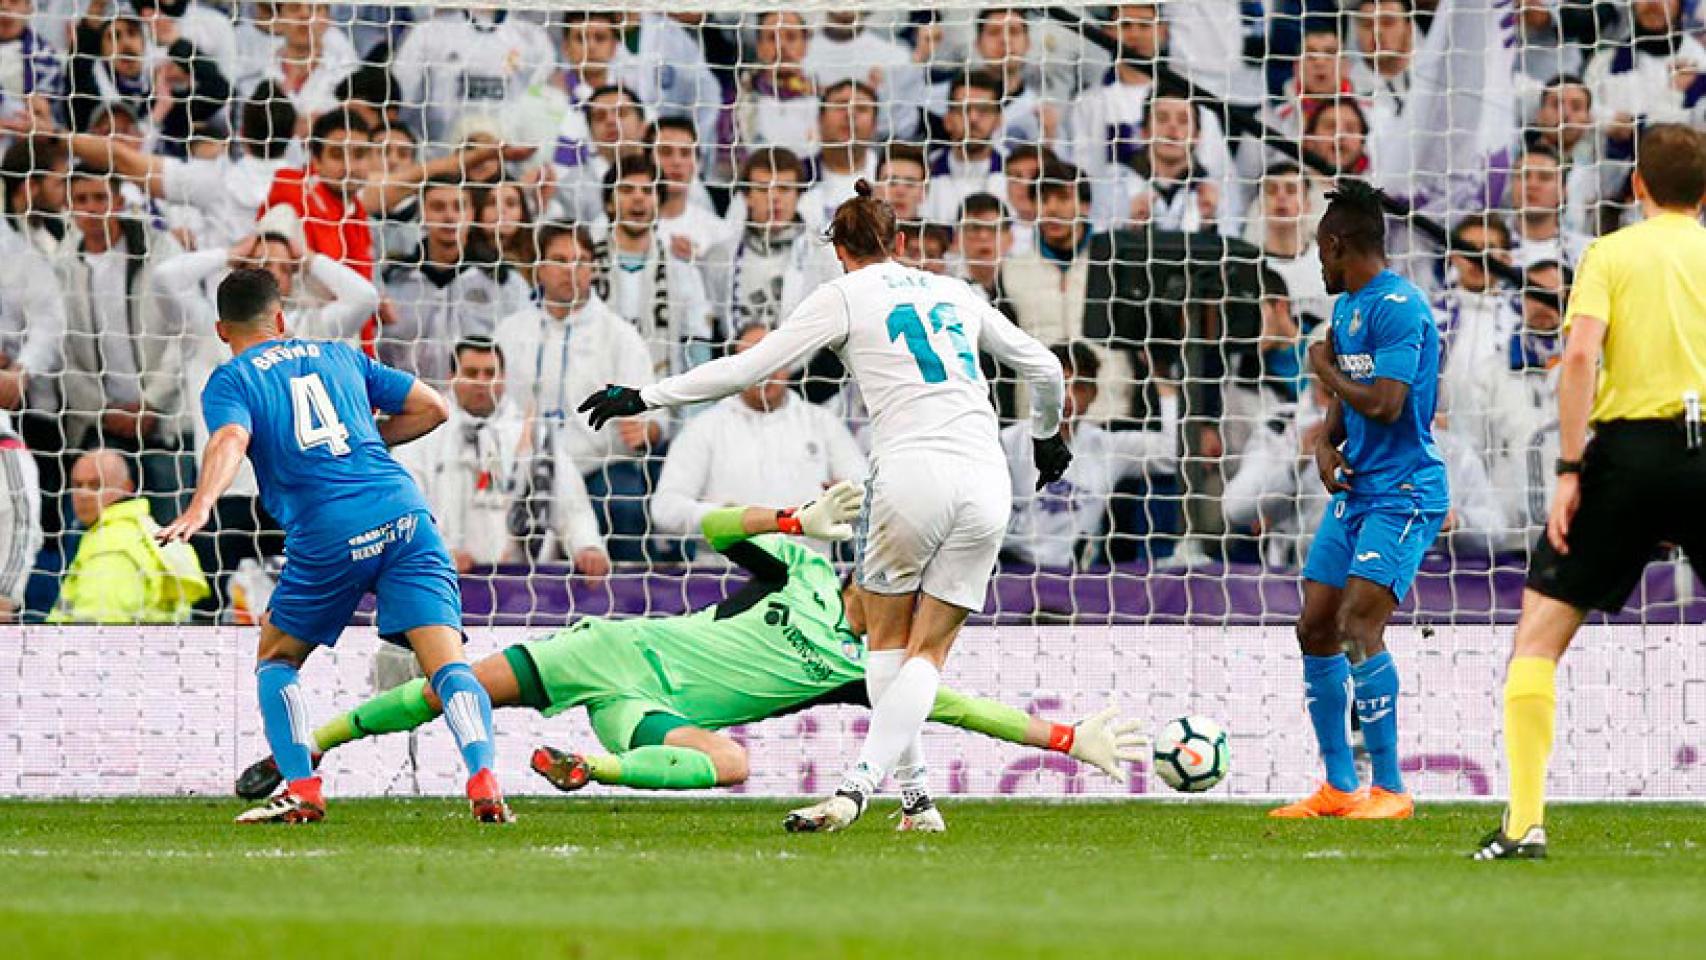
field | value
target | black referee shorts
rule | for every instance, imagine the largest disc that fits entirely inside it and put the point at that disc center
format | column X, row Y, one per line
column 1640, row 488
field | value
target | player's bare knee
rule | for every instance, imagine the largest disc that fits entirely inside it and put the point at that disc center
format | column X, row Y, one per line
column 1316, row 637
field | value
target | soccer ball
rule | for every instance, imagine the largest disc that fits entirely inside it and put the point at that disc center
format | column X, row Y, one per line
column 1191, row 754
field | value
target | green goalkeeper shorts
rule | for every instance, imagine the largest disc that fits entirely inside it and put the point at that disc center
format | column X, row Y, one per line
column 599, row 665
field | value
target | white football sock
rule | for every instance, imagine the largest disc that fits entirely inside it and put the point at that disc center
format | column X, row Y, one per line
column 895, row 722
column 910, row 771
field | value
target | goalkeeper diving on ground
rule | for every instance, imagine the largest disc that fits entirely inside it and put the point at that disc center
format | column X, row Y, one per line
column 657, row 690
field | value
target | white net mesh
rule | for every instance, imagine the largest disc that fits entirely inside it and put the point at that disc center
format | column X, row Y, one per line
column 1137, row 184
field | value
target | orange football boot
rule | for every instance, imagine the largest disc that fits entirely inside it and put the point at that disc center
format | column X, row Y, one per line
column 1382, row 804
column 1328, row 801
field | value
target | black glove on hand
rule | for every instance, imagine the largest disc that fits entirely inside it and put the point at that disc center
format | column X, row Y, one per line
column 611, row 403
column 1052, row 458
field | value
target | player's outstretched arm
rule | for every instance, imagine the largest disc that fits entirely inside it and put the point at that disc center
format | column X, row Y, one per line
column 220, row 462
column 423, row 410
column 1103, row 741
column 819, row 321
column 829, row 517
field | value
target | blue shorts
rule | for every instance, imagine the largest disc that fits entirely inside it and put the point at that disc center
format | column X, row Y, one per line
column 403, row 562
column 1382, row 542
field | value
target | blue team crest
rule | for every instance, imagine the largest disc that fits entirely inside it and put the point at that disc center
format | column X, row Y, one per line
column 1356, row 321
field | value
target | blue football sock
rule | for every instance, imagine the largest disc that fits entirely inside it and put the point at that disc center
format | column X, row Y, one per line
column 1327, row 693
column 285, row 718
column 468, row 710
column 1377, row 708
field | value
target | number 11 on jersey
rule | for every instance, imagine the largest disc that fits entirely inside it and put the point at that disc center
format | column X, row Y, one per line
column 317, row 423
column 905, row 324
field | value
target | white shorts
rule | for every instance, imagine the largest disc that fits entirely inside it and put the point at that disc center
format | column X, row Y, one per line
column 933, row 523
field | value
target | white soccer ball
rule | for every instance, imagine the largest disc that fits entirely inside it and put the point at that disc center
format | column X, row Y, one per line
column 1191, row 754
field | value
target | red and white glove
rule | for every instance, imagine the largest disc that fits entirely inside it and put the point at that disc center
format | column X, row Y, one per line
column 829, row 517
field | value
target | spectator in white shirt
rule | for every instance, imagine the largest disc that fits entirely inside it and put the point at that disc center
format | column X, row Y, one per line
column 1055, row 526
column 848, row 48
column 1656, row 75
column 227, row 191
column 311, row 58
column 564, row 348
column 760, row 274
column 903, row 177
column 970, row 161
column 20, row 520
column 1537, row 194
column 34, row 173
column 1321, row 78
column 443, row 294
column 1002, row 43
column 1165, row 185
column 777, row 104
column 32, row 324
column 687, row 216
column 847, row 129
column 981, row 242
column 764, row 445
column 1284, row 228
column 1024, row 169
column 662, row 295
column 477, row 467
column 1564, row 123
column 463, row 63
column 1386, row 43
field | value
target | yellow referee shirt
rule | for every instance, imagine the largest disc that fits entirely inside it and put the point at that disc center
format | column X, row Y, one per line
column 1647, row 283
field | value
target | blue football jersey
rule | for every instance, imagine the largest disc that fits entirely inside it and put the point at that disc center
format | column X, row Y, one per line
column 325, row 474
column 1386, row 331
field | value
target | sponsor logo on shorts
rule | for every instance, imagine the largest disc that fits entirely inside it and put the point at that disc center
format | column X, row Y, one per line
column 372, row 543
column 1370, row 555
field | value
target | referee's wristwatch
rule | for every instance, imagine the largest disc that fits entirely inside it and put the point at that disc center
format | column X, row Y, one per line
column 1562, row 466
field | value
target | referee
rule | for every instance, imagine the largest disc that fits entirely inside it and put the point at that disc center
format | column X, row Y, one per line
column 1634, row 370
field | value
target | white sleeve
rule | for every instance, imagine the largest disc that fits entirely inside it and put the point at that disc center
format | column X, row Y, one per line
column 20, row 521
column 354, row 297
column 407, row 65
column 43, row 303
column 1032, row 361
column 178, row 283
column 1157, row 450
column 576, row 525
column 677, row 507
column 200, row 184
column 820, row 321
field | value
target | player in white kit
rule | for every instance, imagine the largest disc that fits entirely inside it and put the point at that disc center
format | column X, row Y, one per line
column 939, row 494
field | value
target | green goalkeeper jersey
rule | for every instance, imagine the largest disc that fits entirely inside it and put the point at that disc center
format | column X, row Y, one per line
column 774, row 646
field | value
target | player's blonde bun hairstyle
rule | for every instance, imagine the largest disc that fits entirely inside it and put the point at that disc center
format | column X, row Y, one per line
column 864, row 227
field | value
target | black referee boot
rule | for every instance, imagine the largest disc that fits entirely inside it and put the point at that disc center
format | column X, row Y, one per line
column 1497, row 846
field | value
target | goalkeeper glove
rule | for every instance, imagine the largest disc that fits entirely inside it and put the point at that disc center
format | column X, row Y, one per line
column 1051, row 457
column 1106, row 742
column 829, row 517
column 611, row 403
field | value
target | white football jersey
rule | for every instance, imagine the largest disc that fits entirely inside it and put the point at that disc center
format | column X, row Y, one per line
column 911, row 340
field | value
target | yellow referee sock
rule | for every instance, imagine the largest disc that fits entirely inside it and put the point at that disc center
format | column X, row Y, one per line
column 1531, row 702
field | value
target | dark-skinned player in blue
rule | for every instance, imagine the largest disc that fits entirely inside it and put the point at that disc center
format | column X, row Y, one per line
column 354, row 521
column 1380, row 364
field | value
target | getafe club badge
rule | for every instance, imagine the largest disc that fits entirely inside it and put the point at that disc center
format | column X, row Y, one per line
column 1356, row 320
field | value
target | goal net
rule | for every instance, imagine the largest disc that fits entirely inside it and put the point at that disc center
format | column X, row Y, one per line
column 519, row 206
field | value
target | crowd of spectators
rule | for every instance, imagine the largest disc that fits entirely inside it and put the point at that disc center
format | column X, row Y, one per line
column 520, row 207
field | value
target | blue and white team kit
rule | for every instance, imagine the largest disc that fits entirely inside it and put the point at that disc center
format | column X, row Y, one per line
column 1399, row 496
column 354, row 520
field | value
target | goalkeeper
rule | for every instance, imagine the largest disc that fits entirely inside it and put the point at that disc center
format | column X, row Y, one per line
column 657, row 690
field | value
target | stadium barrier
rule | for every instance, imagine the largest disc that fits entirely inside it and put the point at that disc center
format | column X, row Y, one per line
column 89, row 711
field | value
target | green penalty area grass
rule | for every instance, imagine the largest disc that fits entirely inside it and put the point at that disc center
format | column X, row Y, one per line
column 601, row 877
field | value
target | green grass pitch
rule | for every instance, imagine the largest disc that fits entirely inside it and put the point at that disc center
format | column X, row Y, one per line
column 704, row 879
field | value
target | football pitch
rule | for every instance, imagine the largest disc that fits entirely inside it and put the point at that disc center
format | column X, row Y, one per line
column 598, row 877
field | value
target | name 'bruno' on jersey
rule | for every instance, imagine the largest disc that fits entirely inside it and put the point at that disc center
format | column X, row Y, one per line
column 325, row 473
column 1386, row 331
